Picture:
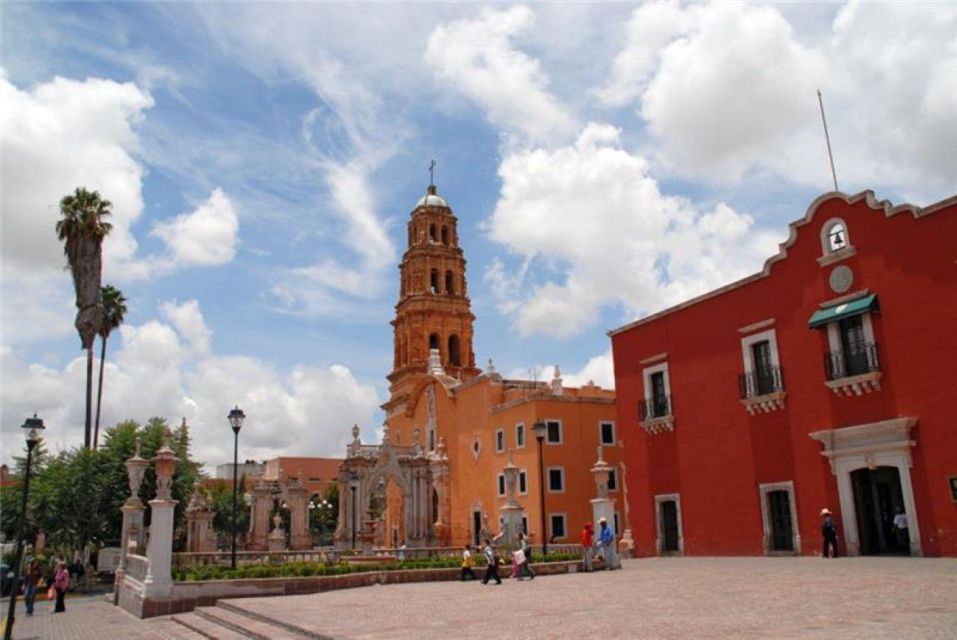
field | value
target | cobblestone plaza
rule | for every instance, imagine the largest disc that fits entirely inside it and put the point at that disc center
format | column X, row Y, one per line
column 651, row 598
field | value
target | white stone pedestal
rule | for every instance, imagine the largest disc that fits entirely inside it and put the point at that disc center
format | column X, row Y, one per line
column 603, row 508
column 158, row 582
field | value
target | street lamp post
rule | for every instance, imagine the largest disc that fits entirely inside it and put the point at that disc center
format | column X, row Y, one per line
column 540, row 429
column 353, row 485
column 236, row 417
column 33, row 426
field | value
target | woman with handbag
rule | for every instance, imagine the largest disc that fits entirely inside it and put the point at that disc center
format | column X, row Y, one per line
column 61, row 582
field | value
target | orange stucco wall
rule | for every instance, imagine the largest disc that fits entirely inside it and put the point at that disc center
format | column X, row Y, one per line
column 473, row 412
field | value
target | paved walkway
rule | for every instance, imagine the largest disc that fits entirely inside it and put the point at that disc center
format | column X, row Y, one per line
column 650, row 598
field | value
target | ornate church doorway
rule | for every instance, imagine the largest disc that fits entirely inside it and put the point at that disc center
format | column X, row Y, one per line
column 877, row 498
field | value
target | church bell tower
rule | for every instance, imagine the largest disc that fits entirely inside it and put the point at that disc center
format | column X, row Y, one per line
column 433, row 312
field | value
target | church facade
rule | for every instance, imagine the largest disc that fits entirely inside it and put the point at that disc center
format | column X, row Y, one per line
column 826, row 381
column 438, row 477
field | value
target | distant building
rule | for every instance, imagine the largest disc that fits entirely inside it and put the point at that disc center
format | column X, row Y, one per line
column 250, row 469
column 317, row 475
column 6, row 479
column 824, row 381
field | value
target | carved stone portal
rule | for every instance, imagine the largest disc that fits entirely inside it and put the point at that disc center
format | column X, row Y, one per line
column 390, row 495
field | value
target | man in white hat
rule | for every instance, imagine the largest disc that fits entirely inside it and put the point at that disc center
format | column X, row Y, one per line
column 829, row 532
column 606, row 545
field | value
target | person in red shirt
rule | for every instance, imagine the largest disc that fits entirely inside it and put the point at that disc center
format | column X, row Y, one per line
column 588, row 541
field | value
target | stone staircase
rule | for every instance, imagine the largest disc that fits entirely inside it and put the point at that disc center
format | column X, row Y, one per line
column 228, row 621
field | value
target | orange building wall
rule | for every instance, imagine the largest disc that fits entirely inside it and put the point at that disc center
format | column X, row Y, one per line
column 476, row 411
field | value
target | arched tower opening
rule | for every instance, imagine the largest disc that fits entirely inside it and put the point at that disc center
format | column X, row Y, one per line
column 455, row 358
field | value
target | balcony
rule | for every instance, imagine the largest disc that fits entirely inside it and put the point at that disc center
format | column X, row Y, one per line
column 762, row 390
column 655, row 414
column 855, row 372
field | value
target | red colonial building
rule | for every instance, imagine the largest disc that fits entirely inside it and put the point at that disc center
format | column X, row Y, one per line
column 829, row 379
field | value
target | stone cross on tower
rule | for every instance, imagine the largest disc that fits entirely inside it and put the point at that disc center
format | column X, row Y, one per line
column 432, row 173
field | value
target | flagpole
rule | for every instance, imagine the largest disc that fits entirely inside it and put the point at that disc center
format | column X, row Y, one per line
column 827, row 137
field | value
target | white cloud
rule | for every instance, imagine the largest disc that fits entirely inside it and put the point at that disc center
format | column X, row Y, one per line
column 598, row 370
column 188, row 321
column 161, row 370
column 207, row 236
column 729, row 88
column 57, row 136
column 477, row 57
column 592, row 214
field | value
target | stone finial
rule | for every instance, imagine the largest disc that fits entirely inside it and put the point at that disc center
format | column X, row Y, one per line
column 491, row 367
column 416, row 433
column 165, row 465
column 556, row 383
column 355, row 432
column 601, row 453
column 435, row 363
column 135, row 468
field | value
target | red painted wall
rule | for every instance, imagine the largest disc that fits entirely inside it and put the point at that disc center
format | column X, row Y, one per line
column 718, row 454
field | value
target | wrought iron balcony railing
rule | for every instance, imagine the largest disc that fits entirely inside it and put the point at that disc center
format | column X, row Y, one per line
column 760, row 382
column 844, row 364
column 651, row 408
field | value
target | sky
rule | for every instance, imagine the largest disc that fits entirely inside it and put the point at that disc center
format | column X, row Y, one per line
column 605, row 161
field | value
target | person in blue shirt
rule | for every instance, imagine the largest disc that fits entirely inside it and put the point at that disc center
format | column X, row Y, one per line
column 606, row 545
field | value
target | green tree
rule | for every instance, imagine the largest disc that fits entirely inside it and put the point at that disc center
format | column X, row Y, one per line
column 81, row 228
column 114, row 311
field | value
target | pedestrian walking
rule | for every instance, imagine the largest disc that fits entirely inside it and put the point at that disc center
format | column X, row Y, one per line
column 606, row 544
column 524, row 564
column 829, row 532
column 588, row 541
column 61, row 582
column 491, row 556
column 467, row 563
column 900, row 530
column 31, row 579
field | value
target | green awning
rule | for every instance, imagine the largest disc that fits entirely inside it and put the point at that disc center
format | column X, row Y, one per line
column 843, row 310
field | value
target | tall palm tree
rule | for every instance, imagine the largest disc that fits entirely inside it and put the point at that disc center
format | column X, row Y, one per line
column 82, row 228
column 114, row 310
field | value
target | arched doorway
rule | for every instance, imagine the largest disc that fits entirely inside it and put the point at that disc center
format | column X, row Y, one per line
column 877, row 499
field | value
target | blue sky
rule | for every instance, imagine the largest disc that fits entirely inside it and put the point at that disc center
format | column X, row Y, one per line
column 604, row 161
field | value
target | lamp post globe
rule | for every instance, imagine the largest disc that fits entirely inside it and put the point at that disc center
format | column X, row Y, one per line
column 540, row 429
column 236, row 417
column 33, row 427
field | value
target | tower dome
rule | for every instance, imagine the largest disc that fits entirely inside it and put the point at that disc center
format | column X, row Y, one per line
column 432, row 199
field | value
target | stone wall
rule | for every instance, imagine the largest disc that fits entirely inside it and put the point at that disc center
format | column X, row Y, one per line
column 186, row 596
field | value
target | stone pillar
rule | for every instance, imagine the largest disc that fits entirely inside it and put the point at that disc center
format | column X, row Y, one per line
column 297, row 498
column 199, row 523
column 511, row 511
column 440, row 478
column 602, row 506
column 158, row 582
column 259, row 516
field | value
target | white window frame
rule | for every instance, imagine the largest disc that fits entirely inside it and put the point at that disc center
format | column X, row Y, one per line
column 748, row 356
column 659, row 529
column 548, row 479
column 521, row 427
column 561, row 432
column 834, row 333
column 763, row 491
column 646, row 374
column 601, row 433
column 500, row 441
column 522, row 473
column 500, row 485
column 551, row 530
column 826, row 228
